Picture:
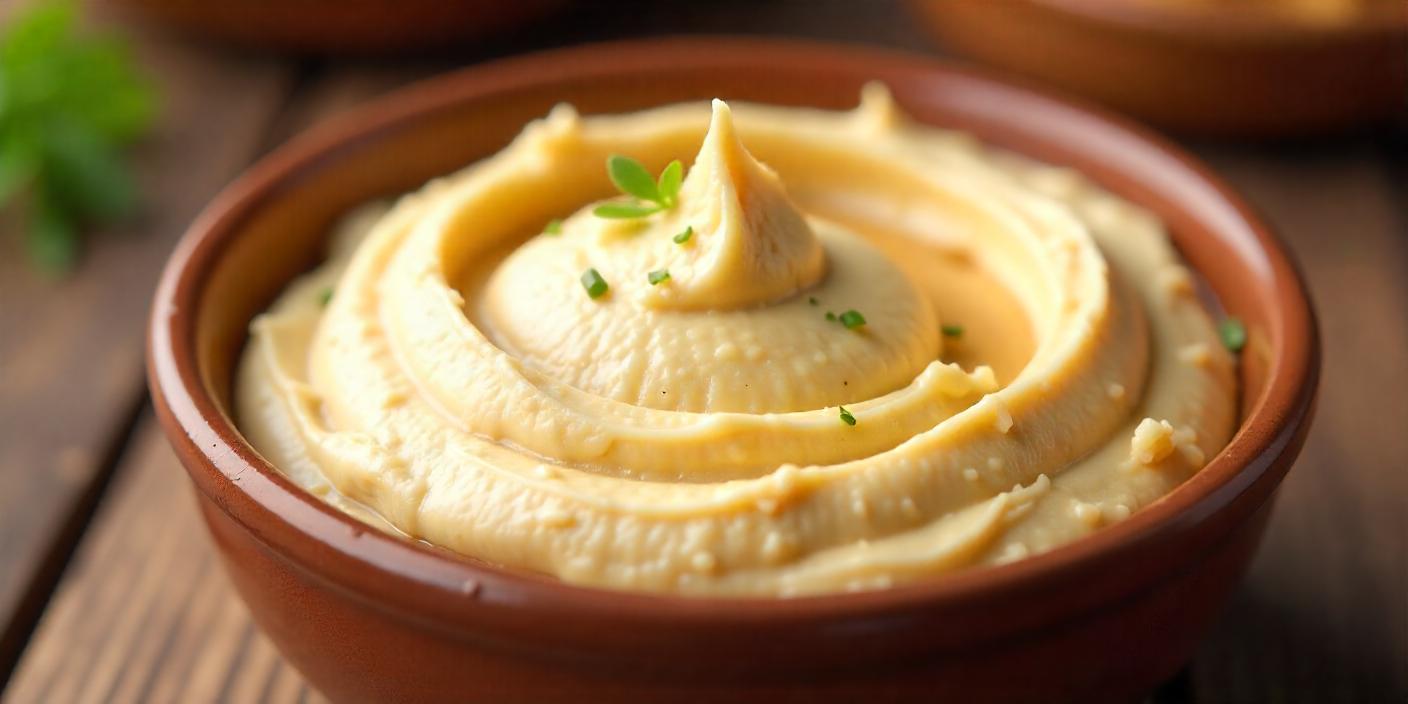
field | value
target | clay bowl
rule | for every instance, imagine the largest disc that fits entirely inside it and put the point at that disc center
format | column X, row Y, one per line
column 344, row 26
column 1217, row 68
column 370, row 616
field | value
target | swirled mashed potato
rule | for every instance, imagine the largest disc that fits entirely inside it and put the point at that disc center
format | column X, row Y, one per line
column 1032, row 364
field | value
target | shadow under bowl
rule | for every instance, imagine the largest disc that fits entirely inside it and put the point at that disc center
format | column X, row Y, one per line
column 370, row 616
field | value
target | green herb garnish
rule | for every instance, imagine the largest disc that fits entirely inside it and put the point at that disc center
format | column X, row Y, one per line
column 811, row 300
column 553, row 228
column 653, row 195
column 830, row 316
column 683, row 237
column 846, row 416
column 68, row 104
column 624, row 211
column 952, row 330
column 595, row 285
column 658, row 276
column 325, row 296
column 1233, row 334
column 852, row 319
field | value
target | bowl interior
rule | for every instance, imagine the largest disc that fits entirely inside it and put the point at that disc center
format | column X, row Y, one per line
column 270, row 225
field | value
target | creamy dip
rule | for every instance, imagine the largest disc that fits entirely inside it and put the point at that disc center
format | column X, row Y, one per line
column 1033, row 361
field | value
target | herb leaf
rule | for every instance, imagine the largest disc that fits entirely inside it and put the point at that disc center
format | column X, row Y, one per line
column 852, row 319
column 1233, row 334
column 846, row 416
column 632, row 178
column 621, row 211
column 68, row 104
column 325, row 296
column 595, row 285
column 684, row 236
column 553, row 228
column 952, row 330
column 669, row 184
column 658, row 276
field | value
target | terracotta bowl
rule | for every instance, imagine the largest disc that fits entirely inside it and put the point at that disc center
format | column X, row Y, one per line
column 344, row 26
column 1226, row 69
column 369, row 616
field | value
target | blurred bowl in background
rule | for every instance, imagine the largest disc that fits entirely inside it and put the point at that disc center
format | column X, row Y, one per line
column 1232, row 69
column 344, row 26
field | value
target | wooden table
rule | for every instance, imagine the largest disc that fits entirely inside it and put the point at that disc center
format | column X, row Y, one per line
column 108, row 586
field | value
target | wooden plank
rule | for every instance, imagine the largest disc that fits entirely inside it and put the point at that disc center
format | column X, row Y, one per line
column 1323, row 615
column 146, row 613
column 70, row 350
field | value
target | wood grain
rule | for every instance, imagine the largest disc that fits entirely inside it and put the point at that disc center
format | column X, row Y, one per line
column 70, row 349
column 145, row 613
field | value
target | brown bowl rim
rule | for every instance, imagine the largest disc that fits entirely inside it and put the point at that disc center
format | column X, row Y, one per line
column 433, row 585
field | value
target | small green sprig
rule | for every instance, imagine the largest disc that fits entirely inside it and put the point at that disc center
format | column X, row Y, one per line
column 684, row 236
column 595, row 285
column 657, row 277
column 954, row 331
column 1233, row 334
column 846, row 416
column 652, row 194
column 325, row 296
column 69, row 103
column 553, row 228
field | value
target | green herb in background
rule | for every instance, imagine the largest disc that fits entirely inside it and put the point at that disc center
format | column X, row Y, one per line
column 68, row 103
column 951, row 330
column 632, row 179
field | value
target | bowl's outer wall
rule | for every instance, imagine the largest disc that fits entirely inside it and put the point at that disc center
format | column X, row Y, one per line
column 362, row 613
column 354, row 653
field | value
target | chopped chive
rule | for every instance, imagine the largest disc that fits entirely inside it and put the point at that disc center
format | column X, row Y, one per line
column 554, row 227
column 595, row 285
column 1233, row 334
column 952, row 330
column 325, row 296
column 852, row 319
column 846, row 416
column 683, row 237
column 658, row 276
column 830, row 316
column 812, row 300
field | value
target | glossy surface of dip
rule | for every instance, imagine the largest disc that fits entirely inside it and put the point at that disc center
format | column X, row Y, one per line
column 1033, row 364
